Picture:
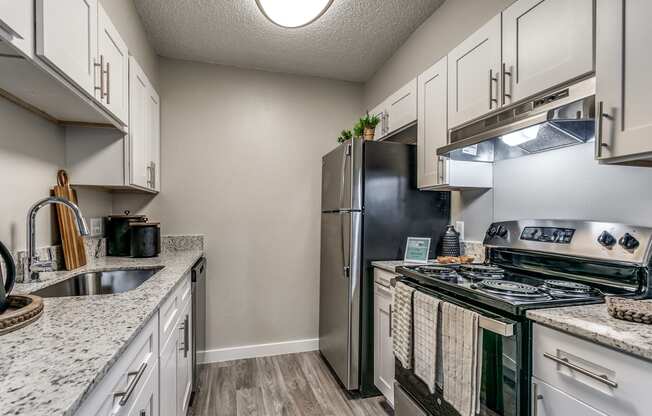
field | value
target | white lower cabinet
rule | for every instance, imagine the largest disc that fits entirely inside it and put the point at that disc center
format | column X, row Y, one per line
column 148, row 380
column 549, row 401
column 577, row 377
column 134, row 373
column 383, row 352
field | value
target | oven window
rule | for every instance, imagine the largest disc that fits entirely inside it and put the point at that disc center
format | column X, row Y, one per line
column 500, row 371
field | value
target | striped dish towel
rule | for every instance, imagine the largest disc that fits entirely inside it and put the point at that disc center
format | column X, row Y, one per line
column 462, row 358
column 402, row 324
column 426, row 315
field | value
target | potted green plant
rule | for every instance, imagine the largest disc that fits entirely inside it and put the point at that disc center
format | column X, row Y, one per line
column 369, row 124
column 344, row 136
column 358, row 129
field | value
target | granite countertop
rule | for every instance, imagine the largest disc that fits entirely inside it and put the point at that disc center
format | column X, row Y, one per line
column 594, row 323
column 49, row 367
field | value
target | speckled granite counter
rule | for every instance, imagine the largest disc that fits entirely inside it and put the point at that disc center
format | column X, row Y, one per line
column 594, row 323
column 49, row 367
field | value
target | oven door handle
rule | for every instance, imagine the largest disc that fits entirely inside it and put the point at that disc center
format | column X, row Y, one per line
column 503, row 329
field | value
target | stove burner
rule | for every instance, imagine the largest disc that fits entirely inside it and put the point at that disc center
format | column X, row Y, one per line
column 439, row 272
column 481, row 271
column 510, row 288
column 567, row 286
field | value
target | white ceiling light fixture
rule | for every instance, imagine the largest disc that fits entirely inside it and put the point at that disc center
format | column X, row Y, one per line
column 293, row 13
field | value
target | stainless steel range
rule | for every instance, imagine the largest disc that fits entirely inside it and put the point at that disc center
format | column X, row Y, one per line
column 530, row 264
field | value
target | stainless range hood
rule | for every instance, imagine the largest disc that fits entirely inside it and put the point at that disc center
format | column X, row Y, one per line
column 559, row 118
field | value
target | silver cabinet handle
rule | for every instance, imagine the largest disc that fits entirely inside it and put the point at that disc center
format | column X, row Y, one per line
column 153, row 164
column 391, row 312
column 441, row 169
column 505, row 73
column 101, row 67
column 535, row 399
column 108, row 83
column 186, row 336
column 149, row 175
column 602, row 378
column 598, row 134
column 125, row 395
column 182, row 328
column 492, row 79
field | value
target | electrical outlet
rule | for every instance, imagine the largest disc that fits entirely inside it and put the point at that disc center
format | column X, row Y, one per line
column 97, row 227
column 459, row 226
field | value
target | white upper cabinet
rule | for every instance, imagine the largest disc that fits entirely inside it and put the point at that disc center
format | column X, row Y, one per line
column 402, row 107
column 144, row 130
column 381, row 112
column 432, row 127
column 66, row 38
column 474, row 75
column 112, row 69
column 545, row 43
column 623, row 81
column 17, row 24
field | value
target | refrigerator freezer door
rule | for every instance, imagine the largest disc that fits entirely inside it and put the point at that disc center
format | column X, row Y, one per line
column 342, row 178
column 339, row 305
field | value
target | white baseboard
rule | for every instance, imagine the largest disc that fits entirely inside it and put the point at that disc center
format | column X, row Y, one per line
column 260, row 350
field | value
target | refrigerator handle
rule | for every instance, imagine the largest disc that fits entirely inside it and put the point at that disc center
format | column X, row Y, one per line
column 345, row 256
column 347, row 154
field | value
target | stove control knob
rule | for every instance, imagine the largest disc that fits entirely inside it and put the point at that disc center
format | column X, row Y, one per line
column 606, row 240
column 492, row 231
column 629, row 242
column 502, row 232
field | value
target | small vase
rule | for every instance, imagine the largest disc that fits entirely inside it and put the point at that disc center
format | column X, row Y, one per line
column 369, row 134
column 450, row 242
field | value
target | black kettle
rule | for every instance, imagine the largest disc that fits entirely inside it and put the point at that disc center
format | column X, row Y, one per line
column 10, row 279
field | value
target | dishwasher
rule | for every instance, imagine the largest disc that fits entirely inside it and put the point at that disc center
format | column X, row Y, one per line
column 198, row 319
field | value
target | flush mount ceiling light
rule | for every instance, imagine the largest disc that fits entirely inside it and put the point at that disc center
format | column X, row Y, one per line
column 293, row 13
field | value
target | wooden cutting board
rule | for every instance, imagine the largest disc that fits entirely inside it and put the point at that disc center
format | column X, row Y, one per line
column 74, row 253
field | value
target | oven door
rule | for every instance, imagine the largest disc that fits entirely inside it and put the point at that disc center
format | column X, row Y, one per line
column 505, row 367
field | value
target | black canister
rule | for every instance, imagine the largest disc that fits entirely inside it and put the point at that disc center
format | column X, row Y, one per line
column 450, row 245
column 118, row 233
column 145, row 239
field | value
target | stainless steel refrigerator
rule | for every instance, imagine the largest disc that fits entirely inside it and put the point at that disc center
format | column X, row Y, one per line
column 370, row 205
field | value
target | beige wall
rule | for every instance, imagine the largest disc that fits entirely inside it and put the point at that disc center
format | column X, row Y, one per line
column 439, row 34
column 125, row 18
column 241, row 163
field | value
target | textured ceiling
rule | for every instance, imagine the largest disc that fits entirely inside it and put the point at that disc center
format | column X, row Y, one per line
column 349, row 42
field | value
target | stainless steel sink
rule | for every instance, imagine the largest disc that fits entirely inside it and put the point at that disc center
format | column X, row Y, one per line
column 98, row 283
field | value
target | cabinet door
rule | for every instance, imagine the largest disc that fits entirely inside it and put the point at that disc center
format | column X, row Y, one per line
column 184, row 364
column 139, row 140
column 623, row 81
column 402, row 107
column 112, row 74
column 383, row 353
column 154, row 138
column 474, row 75
column 545, row 43
column 168, row 374
column 380, row 112
column 432, row 131
column 66, row 38
column 147, row 400
column 548, row 401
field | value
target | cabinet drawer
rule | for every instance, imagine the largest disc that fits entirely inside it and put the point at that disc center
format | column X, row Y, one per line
column 548, row 401
column 383, row 277
column 171, row 309
column 127, row 376
column 625, row 391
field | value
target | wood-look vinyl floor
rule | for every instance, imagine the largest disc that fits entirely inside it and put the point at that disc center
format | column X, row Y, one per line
column 284, row 385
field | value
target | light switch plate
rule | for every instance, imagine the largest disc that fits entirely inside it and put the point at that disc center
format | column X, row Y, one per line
column 459, row 226
column 97, row 227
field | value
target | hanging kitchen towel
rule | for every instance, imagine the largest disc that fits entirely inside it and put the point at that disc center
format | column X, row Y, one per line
column 402, row 324
column 462, row 349
column 426, row 314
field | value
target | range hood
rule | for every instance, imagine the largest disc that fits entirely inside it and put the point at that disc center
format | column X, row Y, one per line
column 562, row 117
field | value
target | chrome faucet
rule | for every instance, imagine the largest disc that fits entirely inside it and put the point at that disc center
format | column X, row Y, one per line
column 33, row 265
